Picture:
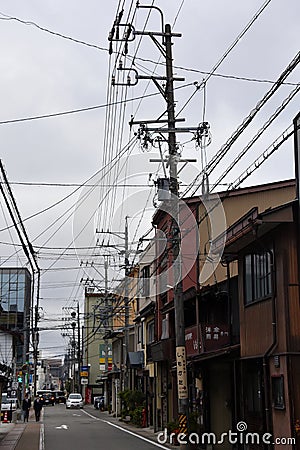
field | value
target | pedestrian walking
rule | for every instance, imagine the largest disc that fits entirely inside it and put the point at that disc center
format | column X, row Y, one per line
column 26, row 404
column 37, row 406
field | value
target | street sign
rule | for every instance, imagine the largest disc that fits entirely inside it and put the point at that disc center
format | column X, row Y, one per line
column 84, row 381
column 181, row 372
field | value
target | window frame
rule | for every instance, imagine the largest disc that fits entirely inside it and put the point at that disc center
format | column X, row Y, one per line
column 278, row 392
column 146, row 281
column 258, row 276
column 150, row 332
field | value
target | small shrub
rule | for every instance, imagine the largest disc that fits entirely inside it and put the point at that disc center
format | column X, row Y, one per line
column 131, row 399
column 137, row 416
column 172, row 427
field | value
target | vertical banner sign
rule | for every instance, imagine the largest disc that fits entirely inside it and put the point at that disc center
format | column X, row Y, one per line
column 181, row 372
column 102, row 355
column 109, row 356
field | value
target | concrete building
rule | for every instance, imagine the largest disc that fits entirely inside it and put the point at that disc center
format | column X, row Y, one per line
column 15, row 304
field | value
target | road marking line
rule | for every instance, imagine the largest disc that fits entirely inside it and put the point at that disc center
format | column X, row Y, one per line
column 136, row 435
column 62, row 427
column 93, row 417
column 42, row 437
column 128, row 431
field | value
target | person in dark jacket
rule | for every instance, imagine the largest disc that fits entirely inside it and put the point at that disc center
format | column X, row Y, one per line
column 26, row 404
column 37, row 406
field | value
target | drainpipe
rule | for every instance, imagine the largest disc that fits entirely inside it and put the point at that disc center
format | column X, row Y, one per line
column 229, row 308
column 198, row 295
column 155, row 399
column 290, row 379
column 266, row 370
column 229, row 315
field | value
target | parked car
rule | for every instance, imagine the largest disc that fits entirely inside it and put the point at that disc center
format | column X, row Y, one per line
column 99, row 402
column 74, row 400
column 59, row 397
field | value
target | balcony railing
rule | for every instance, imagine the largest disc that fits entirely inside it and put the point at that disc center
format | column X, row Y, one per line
column 163, row 350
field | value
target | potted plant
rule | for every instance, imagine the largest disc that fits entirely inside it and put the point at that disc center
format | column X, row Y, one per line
column 173, row 431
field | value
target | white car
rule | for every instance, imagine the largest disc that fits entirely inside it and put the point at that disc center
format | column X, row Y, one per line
column 74, row 400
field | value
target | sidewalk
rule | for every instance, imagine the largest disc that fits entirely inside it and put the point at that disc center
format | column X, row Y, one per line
column 20, row 436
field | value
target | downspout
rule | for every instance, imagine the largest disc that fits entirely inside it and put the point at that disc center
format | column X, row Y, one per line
column 290, row 378
column 266, row 369
column 197, row 284
column 268, row 352
column 229, row 315
column 155, row 399
column 229, row 308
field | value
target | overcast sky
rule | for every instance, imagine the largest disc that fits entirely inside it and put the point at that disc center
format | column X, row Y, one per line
column 43, row 73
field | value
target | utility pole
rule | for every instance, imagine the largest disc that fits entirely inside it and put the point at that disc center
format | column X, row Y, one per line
column 73, row 324
column 106, row 312
column 78, row 348
column 126, row 301
column 122, row 235
column 106, row 326
column 35, row 347
column 165, row 47
column 175, row 232
column 76, row 356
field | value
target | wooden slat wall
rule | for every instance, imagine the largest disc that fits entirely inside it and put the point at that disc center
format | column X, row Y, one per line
column 256, row 328
column 256, row 319
column 289, row 285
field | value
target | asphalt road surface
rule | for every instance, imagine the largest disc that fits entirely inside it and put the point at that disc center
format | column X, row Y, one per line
column 88, row 429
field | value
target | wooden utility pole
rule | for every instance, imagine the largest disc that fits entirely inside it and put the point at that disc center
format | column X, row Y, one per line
column 165, row 47
column 126, row 302
column 176, row 239
column 122, row 235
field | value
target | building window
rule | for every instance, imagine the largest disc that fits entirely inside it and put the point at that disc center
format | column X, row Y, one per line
column 165, row 327
column 146, row 281
column 150, row 329
column 278, row 392
column 258, row 276
column 141, row 334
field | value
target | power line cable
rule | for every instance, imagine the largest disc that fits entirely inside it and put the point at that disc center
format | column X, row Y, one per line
column 226, row 53
column 257, row 136
column 241, row 128
column 54, row 33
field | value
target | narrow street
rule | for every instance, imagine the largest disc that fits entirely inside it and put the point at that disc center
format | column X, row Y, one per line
column 89, row 429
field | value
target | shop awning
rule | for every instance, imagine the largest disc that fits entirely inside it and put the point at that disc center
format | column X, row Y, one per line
column 226, row 351
column 135, row 360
